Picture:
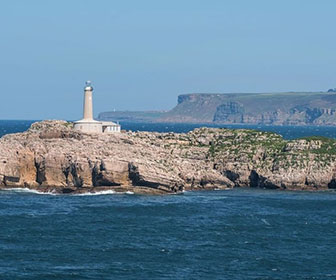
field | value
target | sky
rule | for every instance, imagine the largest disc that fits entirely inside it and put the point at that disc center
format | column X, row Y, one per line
column 140, row 55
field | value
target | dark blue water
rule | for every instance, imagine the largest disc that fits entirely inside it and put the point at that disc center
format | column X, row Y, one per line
column 13, row 126
column 233, row 234
column 236, row 234
column 288, row 132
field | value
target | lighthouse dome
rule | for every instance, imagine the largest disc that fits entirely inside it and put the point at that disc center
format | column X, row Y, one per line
column 88, row 85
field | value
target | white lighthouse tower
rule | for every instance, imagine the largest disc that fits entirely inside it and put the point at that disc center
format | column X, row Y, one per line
column 87, row 110
column 88, row 124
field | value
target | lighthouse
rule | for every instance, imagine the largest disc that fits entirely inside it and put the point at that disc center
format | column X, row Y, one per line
column 88, row 111
column 88, row 124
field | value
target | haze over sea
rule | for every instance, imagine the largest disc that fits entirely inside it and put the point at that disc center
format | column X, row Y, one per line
column 232, row 234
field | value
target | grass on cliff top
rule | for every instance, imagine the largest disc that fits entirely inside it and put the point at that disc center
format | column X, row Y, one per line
column 328, row 144
column 246, row 141
column 68, row 124
column 318, row 138
column 275, row 142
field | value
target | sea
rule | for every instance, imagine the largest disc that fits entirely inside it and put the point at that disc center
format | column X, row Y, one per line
column 229, row 234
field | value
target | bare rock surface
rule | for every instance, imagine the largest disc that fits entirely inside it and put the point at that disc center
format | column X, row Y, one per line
column 52, row 157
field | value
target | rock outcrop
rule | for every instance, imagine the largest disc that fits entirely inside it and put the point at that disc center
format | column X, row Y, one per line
column 52, row 157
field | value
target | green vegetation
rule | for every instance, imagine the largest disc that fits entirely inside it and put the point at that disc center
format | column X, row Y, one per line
column 266, row 149
column 326, row 145
column 68, row 124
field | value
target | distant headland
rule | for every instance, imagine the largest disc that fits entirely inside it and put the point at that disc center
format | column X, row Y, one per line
column 288, row 108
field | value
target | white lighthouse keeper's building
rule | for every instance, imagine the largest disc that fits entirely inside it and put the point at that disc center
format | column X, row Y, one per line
column 88, row 124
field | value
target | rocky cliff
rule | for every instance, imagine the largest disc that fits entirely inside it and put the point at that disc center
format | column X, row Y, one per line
column 52, row 157
column 292, row 108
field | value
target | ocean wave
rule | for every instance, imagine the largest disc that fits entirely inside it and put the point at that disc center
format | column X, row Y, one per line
column 129, row 192
column 96, row 193
column 222, row 189
column 27, row 190
column 103, row 193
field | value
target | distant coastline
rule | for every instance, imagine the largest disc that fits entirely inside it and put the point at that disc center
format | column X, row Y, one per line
column 288, row 108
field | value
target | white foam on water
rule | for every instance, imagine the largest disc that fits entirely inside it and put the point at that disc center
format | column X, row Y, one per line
column 27, row 190
column 103, row 193
column 129, row 192
column 265, row 222
column 96, row 193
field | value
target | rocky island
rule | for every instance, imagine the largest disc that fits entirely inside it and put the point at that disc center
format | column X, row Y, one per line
column 52, row 157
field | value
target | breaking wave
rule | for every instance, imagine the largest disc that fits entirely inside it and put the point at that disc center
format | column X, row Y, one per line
column 27, row 190
column 96, row 193
column 103, row 193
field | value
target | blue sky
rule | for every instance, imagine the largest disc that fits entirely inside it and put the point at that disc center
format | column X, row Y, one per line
column 141, row 55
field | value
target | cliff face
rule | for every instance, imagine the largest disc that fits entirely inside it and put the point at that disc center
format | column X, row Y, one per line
column 292, row 108
column 267, row 108
column 50, row 156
